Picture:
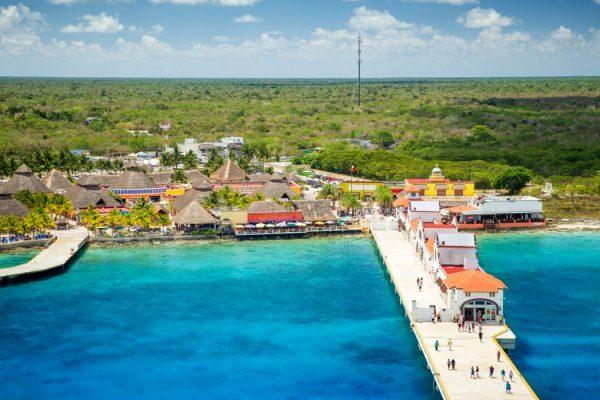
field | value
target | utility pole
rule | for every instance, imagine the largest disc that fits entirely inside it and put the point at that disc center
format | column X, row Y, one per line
column 359, row 62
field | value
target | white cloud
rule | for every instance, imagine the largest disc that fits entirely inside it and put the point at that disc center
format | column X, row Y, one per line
column 483, row 18
column 64, row 2
column 247, row 19
column 158, row 29
column 368, row 19
column 562, row 33
column 597, row 2
column 227, row 3
column 18, row 15
column 148, row 45
column 101, row 23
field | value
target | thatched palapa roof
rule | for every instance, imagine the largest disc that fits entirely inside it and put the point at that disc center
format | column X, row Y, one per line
column 23, row 179
column 191, row 195
column 83, row 198
column 55, row 181
column 10, row 206
column 276, row 177
column 229, row 172
column 96, row 181
column 194, row 214
column 315, row 210
column 266, row 207
column 274, row 190
column 133, row 178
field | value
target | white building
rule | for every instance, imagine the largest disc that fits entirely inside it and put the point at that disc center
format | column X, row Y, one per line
column 456, row 249
column 226, row 147
column 426, row 210
column 475, row 294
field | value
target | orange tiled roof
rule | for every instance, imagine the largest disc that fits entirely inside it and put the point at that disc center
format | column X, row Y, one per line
column 437, row 225
column 414, row 224
column 430, row 244
column 412, row 188
column 474, row 281
column 401, row 201
column 459, row 209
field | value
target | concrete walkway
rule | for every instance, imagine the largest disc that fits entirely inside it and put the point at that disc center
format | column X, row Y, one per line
column 404, row 269
column 66, row 245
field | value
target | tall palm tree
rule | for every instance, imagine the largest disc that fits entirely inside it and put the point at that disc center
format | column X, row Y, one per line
column 91, row 218
column 384, row 197
column 331, row 192
column 350, row 202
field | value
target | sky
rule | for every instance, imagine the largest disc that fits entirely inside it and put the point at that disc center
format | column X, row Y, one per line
column 299, row 38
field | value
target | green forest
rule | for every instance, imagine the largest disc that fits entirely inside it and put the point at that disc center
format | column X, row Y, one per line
column 472, row 127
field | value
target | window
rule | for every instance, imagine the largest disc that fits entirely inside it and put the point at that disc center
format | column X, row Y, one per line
column 492, row 294
column 467, row 294
column 441, row 192
column 459, row 192
column 421, row 192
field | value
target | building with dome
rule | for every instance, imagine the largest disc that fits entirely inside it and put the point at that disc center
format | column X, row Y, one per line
column 437, row 185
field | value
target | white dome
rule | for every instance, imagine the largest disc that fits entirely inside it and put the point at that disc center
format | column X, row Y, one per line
column 436, row 170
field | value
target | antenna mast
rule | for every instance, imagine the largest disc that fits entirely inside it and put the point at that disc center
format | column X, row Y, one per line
column 359, row 62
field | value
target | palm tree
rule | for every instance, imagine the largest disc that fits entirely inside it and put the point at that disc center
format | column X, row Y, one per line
column 213, row 200
column 384, row 197
column 166, row 160
column 331, row 192
column 350, row 202
column 115, row 219
column 190, row 160
column 177, row 156
column 91, row 218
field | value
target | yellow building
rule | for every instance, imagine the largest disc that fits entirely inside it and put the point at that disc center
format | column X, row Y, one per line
column 439, row 186
column 360, row 188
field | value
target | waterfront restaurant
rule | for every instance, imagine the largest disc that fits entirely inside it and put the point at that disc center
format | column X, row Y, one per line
column 474, row 294
column 194, row 217
column 500, row 212
column 272, row 212
column 133, row 184
column 439, row 186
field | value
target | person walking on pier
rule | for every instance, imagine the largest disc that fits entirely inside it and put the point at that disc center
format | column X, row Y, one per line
column 449, row 363
column 477, row 372
column 503, row 374
column 436, row 345
column 508, row 388
column 453, row 364
column 498, row 356
column 491, row 371
column 472, row 372
column 450, row 344
column 510, row 375
column 481, row 336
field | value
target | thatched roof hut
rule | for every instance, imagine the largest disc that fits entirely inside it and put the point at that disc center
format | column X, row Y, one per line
column 315, row 210
column 278, row 191
column 266, row 206
column 161, row 178
column 191, row 195
column 276, row 177
column 83, row 198
column 194, row 215
column 96, row 181
column 10, row 206
column 55, row 181
column 229, row 172
column 23, row 179
column 132, row 178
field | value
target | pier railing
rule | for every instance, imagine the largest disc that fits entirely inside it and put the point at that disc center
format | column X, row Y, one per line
column 302, row 230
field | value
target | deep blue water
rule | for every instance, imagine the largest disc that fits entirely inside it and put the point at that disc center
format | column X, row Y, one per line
column 552, row 304
column 263, row 320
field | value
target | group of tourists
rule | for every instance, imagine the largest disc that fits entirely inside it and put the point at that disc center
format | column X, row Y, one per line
column 420, row 283
column 469, row 326
column 475, row 375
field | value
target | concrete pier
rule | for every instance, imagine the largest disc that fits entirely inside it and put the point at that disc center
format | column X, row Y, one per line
column 66, row 245
column 404, row 268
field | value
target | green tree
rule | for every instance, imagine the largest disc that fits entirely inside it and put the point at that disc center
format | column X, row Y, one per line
column 91, row 218
column 350, row 202
column 512, row 179
column 383, row 139
column 384, row 197
column 190, row 160
column 330, row 192
column 178, row 176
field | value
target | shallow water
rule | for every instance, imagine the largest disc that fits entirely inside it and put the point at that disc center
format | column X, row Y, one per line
column 552, row 305
column 13, row 259
column 298, row 319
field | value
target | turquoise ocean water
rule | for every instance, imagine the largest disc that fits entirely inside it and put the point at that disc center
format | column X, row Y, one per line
column 260, row 320
column 15, row 258
column 552, row 305
column 294, row 319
